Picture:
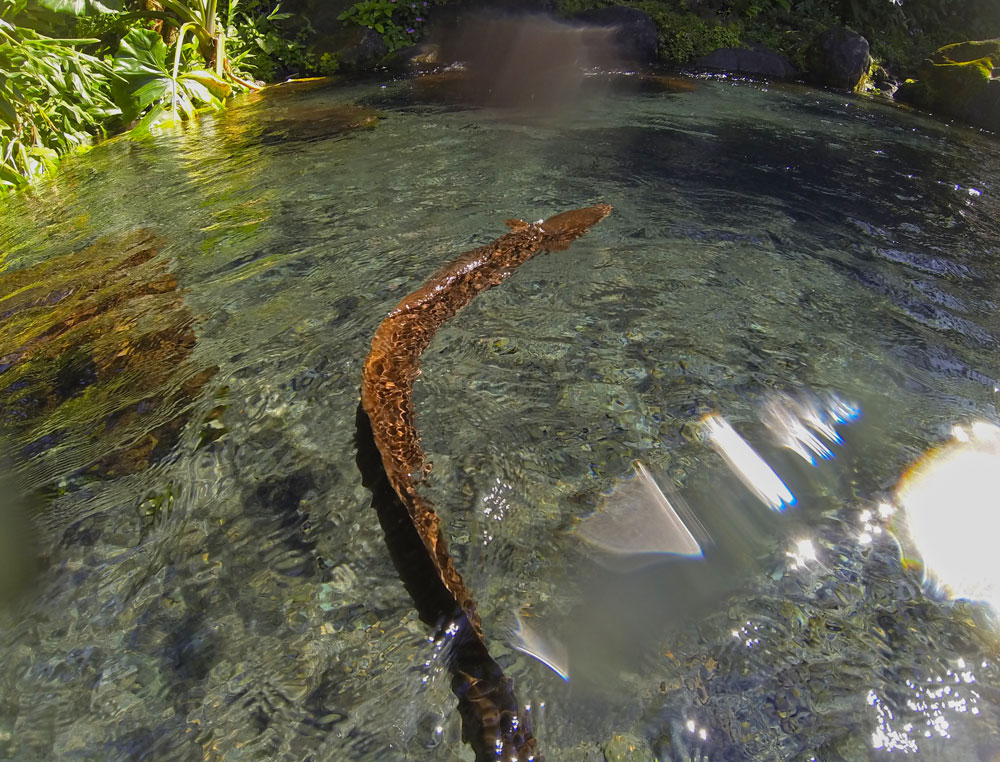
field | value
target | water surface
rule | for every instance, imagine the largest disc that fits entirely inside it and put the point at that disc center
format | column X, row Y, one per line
column 182, row 340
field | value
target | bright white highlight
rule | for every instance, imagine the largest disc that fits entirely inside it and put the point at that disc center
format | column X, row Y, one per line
column 802, row 425
column 752, row 470
column 637, row 524
column 551, row 653
column 803, row 553
column 951, row 502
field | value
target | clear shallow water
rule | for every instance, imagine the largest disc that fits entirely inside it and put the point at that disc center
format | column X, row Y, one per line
column 215, row 584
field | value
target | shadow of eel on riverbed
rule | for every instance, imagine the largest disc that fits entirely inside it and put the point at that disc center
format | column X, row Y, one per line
column 391, row 461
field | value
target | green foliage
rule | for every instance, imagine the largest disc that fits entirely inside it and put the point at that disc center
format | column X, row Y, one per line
column 901, row 35
column 163, row 96
column 53, row 98
column 399, row 23
column 260, row 45
column 685, row 37
column 682, row 36
column 81, row 7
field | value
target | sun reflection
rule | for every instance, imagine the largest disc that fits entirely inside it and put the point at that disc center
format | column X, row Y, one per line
column 495, row 504
column 752, row 470
column 952, row 514
column 935, row 702
column 802, row 425
column 692, row 727
column 746, row 633
column 549, row 651
column 803, row 553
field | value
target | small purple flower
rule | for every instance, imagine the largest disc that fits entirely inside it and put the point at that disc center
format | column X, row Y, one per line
column 418, row 19
column 426, row 3
column 410, row 31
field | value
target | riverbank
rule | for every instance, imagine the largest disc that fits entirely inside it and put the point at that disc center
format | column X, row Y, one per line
column 71, row 73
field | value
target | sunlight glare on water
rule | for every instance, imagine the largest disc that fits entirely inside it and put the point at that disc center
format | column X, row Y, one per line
column 951, row 504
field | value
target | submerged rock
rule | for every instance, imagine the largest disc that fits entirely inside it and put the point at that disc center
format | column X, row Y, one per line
column 755, row 61
column 838, row 58
column 627, row 748
column 959, row 81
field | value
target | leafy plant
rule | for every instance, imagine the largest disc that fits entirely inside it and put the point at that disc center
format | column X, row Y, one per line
column 399, row 23
column 164, row 95
column 261, row 45
column 53, row 98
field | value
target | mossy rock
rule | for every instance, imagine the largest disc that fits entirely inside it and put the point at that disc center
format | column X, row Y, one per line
column 958, row 80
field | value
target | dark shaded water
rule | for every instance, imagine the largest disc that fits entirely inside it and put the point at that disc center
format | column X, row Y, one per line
column 182, row 325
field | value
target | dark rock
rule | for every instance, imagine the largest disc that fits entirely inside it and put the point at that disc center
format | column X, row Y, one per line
column 447, row 20
column 838, row 58
column 958, row 81
column 362, row 53
column 415, row 59
column 755, row 61
column 635, row 35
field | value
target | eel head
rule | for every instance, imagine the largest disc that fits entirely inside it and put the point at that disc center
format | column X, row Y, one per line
column 560, row 230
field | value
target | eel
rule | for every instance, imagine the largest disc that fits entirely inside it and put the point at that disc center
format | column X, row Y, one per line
column 492, row 722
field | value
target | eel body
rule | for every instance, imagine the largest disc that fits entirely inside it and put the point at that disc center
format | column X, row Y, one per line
column 393, row 364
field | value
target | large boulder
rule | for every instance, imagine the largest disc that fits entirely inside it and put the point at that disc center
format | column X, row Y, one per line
column 634, row 32
column 363, row 49
column 959, row 81
column 838, row 58
column 754, row 61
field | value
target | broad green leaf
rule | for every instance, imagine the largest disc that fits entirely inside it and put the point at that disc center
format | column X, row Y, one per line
column 156, row 116
column 141, row 54
column 82, row 7
column 155, row 90
column 216, row 86
column 197, row 91
column 9, row 174
column 7, row 112
column 185, row 105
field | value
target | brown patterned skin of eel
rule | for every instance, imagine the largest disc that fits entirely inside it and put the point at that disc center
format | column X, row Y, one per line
column 485, row 695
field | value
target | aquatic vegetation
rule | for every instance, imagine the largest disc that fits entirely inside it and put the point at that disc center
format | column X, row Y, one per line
column 97, row 338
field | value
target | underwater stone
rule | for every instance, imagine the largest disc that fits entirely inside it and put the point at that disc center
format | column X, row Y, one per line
column 626, row 748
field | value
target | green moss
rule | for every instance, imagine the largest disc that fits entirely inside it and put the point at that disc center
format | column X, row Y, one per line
column 957, row 73
column 985, row 51
column 956, row 82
